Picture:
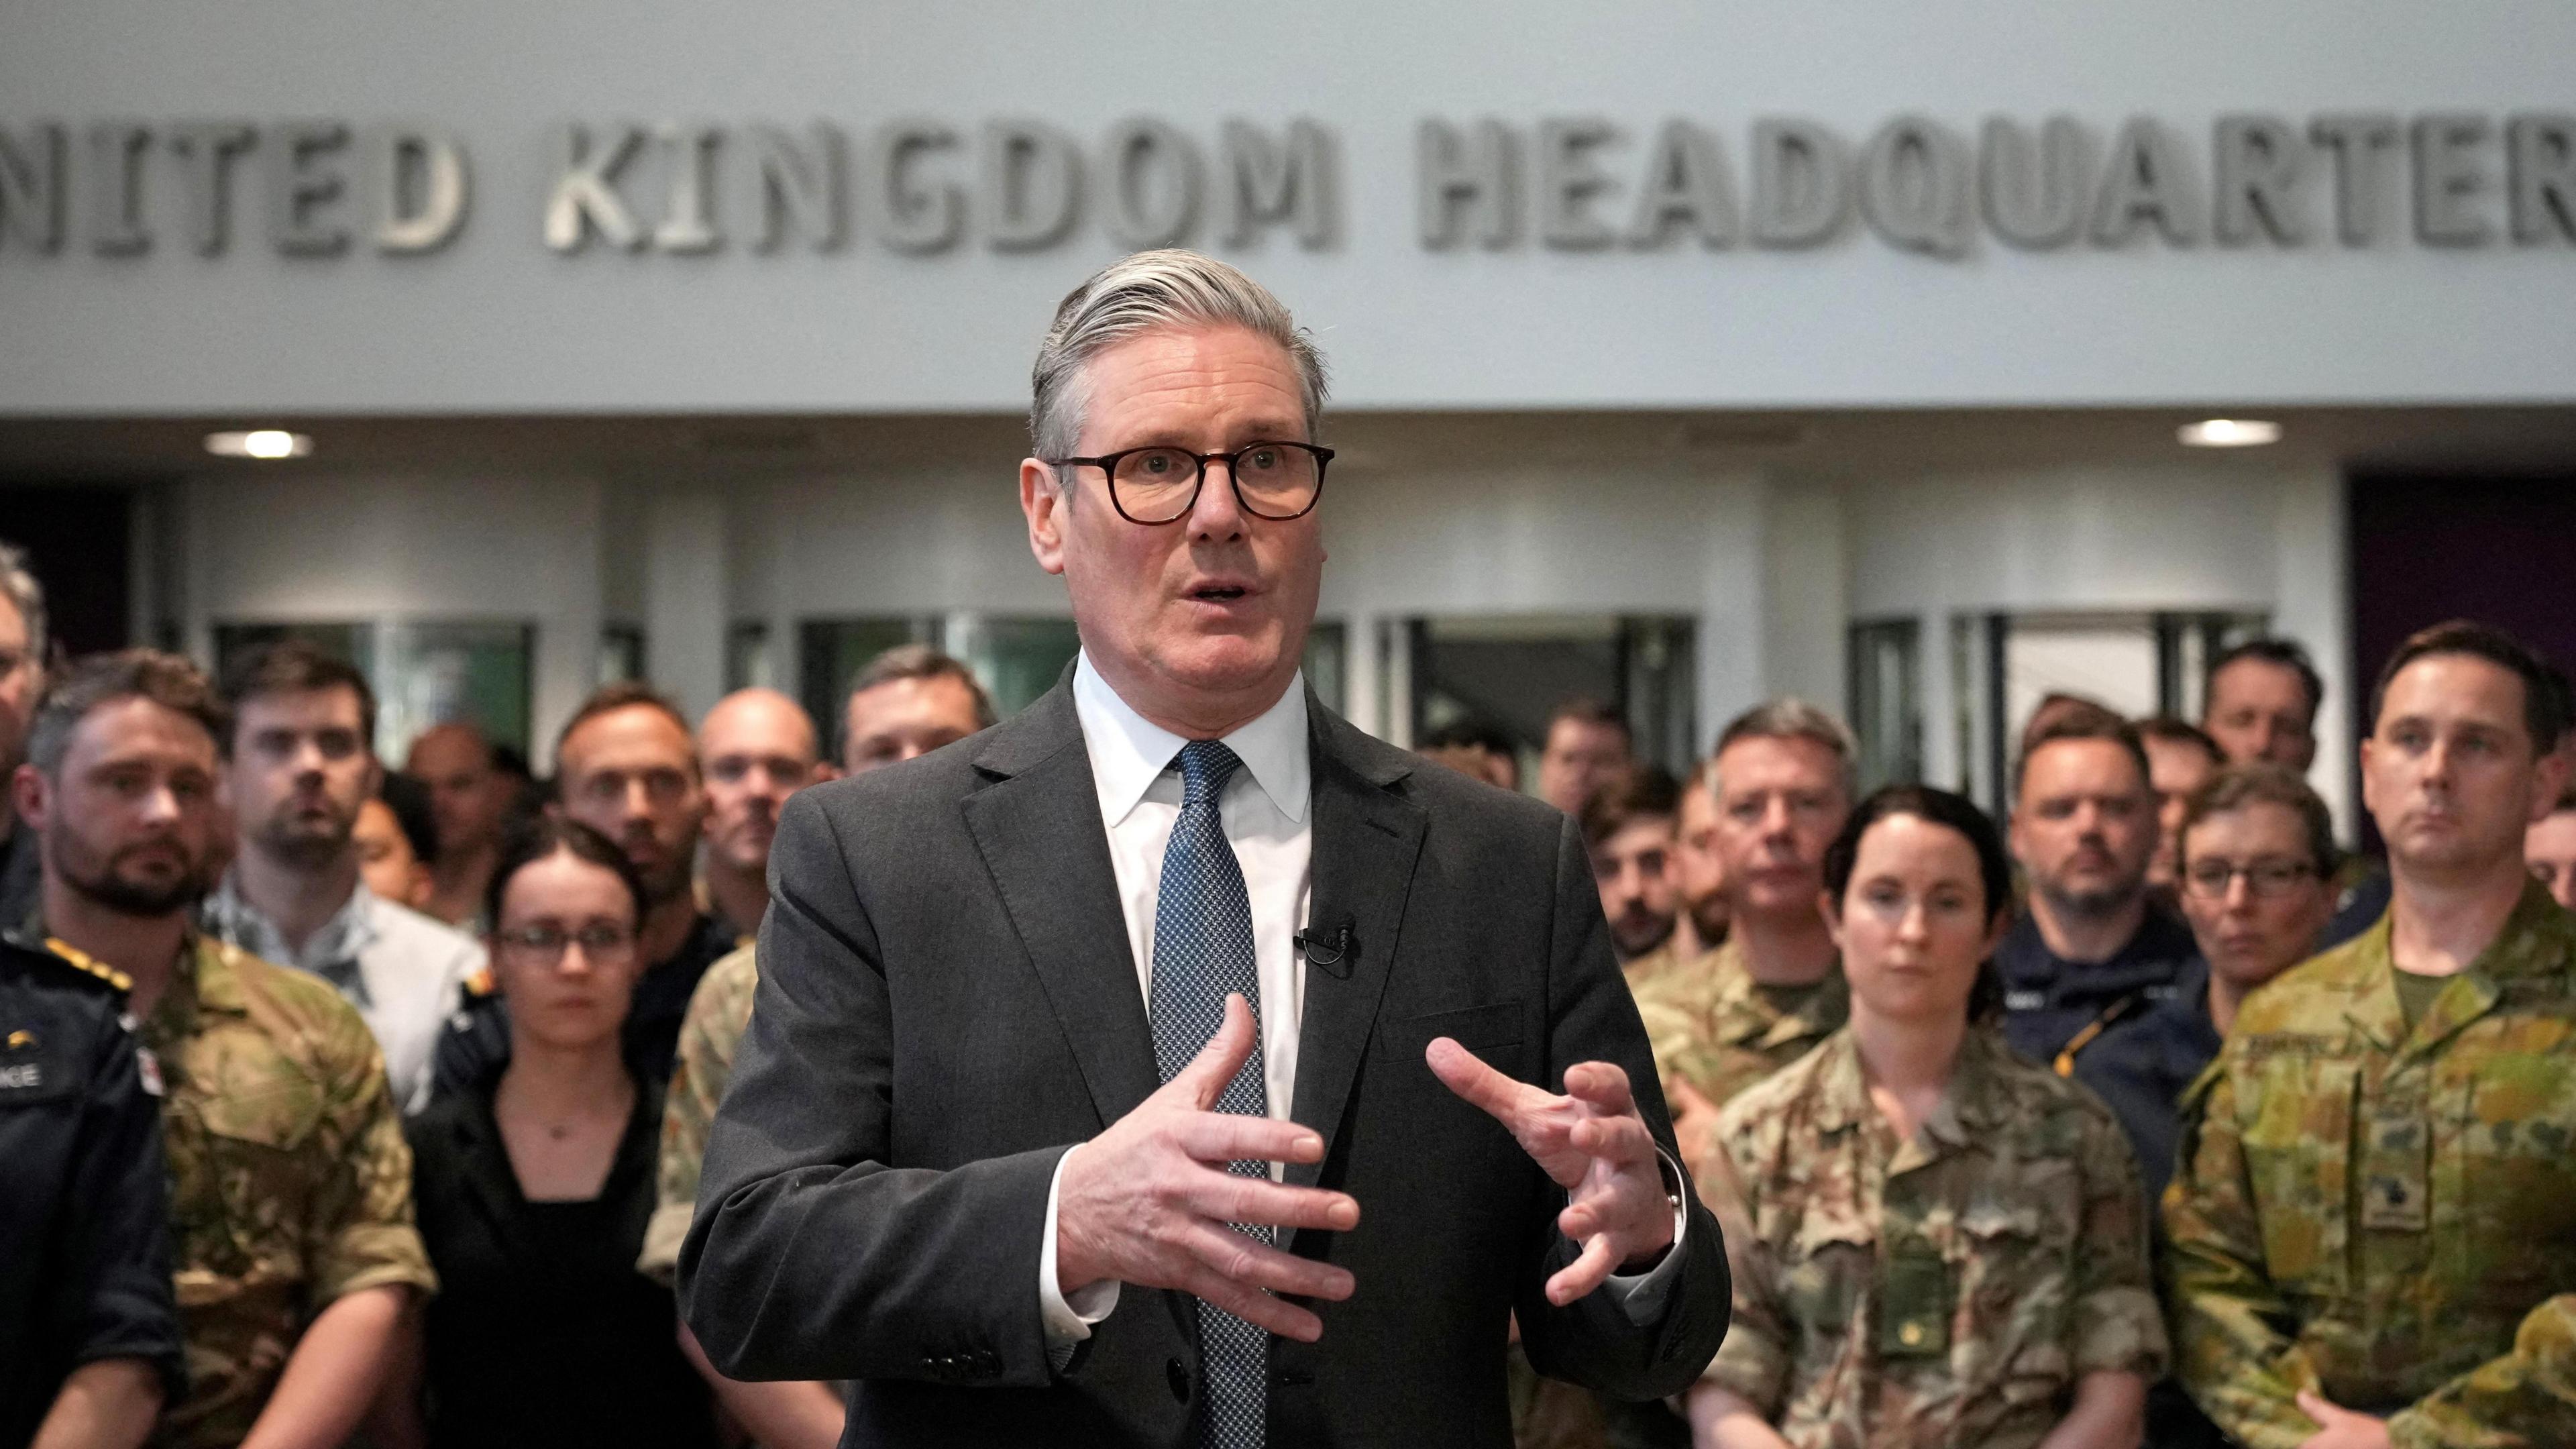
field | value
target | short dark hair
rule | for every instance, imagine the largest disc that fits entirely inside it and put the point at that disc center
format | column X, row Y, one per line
column 2174, row 731
column 608, row 699
column 2281, row 653
column 2238, row 786
column 918, row 661
column 1470, row 733
column 2544, row 698
column 1953, row 812
column 291, row 666
column 541, row 837
column 1636, row 793
column 104, row 679
column 2081, row 720
column 408, row 799
column 1584, row 709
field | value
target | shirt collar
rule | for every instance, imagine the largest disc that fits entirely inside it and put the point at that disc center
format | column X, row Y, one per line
column 340, row 941
column 1129, row 752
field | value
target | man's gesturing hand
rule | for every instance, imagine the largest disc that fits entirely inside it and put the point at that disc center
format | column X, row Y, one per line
column 1596, row 1147
column 1147, row 1202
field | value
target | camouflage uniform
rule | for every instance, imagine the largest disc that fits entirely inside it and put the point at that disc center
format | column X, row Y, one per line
column 1713, row 1027
column 1948, row 1290
column 1654, row 965
column 290, row 1184
column 2386, row 1215
column 719, row 1013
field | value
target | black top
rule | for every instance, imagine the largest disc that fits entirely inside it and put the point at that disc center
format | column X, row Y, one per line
column 476, row 1044
column 2144, row 1055
column 21, row 872
column 543, row 1333
column 84, row 1211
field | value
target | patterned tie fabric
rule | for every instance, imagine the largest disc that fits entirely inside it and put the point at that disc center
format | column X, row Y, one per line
column 1203, row 952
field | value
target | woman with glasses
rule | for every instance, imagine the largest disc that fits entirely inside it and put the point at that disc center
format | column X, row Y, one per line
column 533, row 1192
column 2256, row 858
column 1940, row 1244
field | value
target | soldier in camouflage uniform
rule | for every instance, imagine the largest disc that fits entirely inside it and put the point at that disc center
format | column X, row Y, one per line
column 290, row 1181
column 1781, row 781
column 2373, row 1232
column 719, row 1013
column 1717, row 1031
column 1950, row 1289
column 290, row 1185
column 1939, row 1243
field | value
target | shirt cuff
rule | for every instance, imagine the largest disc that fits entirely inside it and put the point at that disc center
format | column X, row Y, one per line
column 1068, row 1317
column 1641, row 1296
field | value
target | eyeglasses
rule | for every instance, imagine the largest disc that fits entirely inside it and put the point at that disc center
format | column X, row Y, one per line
column 1273, row 480
column 2210, row 879
column 545, row 944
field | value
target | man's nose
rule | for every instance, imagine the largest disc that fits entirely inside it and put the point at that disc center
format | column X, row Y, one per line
column 160, row 805
column 1216, row 514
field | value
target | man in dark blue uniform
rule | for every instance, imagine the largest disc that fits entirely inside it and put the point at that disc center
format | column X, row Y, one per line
column 89, row 1333
column 2093, row 968
column 2091, row 956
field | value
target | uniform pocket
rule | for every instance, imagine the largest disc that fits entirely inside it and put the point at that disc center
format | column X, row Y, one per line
column 2295, row 1121
column 2518, row 1175
column 2012, row 1261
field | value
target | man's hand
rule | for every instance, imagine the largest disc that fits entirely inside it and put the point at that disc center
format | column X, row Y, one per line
column 2343, row 1429
column 1595, row 1146
column 1147, row 1202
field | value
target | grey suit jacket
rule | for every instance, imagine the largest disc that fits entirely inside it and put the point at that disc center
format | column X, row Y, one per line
column 947, row 1002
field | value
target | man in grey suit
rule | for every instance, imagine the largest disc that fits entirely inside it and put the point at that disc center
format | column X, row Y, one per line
column 1172, row 1064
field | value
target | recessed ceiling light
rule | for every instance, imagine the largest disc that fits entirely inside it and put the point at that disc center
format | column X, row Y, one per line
column 2229, row 433
column 265, row 443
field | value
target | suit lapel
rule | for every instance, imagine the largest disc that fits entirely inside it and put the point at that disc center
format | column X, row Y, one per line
column 1366, row 841
column 1038, row 826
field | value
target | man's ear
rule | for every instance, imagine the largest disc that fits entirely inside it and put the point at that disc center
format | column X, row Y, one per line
column 2549, row 781
column 31, row 793
column 1045, row 506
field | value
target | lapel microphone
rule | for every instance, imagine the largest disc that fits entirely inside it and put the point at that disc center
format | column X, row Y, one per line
column 1332, row 952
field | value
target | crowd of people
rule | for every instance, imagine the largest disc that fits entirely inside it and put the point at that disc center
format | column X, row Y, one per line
column 346, row 1105
column 2142, row 1112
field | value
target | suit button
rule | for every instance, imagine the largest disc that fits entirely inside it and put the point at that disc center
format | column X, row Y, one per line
column 1178, row 1374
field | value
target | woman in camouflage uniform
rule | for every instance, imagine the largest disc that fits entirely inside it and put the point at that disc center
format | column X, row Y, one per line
column 1943, row 1245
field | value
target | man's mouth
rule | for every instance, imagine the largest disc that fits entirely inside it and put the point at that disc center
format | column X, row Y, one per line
column 1219, row 593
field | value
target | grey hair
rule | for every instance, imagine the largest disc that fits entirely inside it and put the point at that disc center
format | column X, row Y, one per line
column 1141, row 293
column 1791, row 718
column 19, row 586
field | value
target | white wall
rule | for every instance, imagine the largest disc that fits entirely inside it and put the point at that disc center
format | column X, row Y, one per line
column 497, row 322
column 324, row 549
column 2231, row 535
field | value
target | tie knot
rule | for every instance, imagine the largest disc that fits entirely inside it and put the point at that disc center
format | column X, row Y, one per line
column 1205, row 767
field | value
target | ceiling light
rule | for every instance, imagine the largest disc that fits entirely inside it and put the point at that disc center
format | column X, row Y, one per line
column 2229, row 433
column 265, row 443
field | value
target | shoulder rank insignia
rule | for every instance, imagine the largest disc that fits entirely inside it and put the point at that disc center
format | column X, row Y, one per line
column 81, row 961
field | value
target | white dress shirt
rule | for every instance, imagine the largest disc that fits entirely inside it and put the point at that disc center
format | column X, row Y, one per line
column 1266, row 809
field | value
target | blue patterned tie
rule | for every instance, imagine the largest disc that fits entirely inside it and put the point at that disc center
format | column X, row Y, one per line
column 1203, row 952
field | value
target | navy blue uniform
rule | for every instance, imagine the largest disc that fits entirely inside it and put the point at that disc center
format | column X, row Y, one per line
column 84, row 1201
column 2128, row 1052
